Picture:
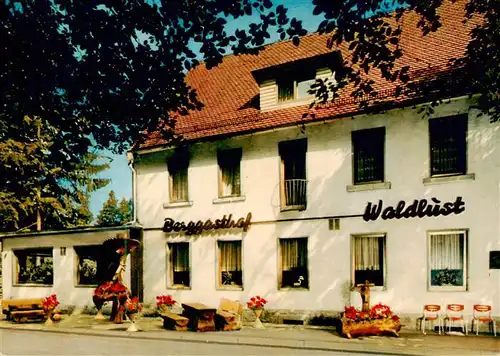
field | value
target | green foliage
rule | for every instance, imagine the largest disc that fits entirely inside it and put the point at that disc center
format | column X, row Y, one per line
column 83, row 73
column 114, row 214
column 35, row 177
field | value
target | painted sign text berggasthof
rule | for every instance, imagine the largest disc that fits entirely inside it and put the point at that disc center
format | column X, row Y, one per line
column 419, row 208
column 195, row 228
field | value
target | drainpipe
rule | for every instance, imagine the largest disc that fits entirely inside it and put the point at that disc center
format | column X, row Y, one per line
column 130, row 159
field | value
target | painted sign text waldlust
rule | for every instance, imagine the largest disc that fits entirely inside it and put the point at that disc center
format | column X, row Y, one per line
column 419, row 208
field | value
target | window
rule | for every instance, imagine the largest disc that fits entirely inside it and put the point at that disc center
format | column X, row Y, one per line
column 180, row 273
column 369, row 259
column 230, row 271
column 448, row 145
column 447, row 260
column 286, row 90
column 35, row 266
column 178, row 170
column 293, row 263
column 87, row 261
column 368, row 149
column 295, row 85
column 293, row 174
column 229, row 172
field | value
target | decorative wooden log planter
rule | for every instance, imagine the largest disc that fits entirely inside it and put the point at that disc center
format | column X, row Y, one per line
column 352, row 328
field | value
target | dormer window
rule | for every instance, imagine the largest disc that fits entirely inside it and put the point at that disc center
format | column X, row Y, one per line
column 288, row 84
column 294, row 86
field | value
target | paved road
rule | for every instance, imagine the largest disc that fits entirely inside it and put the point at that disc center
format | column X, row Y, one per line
column 19, row 342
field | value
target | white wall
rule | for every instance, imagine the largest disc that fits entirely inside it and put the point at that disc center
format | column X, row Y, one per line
column 65, row 284
column 329, row 171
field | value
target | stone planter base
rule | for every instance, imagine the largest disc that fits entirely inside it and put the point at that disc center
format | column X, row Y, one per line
column 352, row 328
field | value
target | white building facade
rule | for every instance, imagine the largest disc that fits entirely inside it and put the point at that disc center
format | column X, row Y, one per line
column 68, row 263
column 308, row 241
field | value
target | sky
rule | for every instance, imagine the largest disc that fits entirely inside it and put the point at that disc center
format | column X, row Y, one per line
column 121, row 175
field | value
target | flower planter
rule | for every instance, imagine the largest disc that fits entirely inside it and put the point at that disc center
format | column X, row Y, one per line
column 165, row 308
column 132, row 327
column 352, row 328
column 49, row 321
column 258, row 324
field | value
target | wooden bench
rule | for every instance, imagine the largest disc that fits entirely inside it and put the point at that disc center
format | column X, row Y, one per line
column 174, row 321
column 25, row 315
column 201, row 317
column 228, row 315
column 21, row 310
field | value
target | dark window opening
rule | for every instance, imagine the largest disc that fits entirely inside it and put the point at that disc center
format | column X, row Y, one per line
column 448, row 145
column 294, row 263
column 180, row 273
column 368, row 147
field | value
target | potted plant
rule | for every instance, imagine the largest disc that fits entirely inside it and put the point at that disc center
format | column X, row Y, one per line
column 165, row 302
column 49, row 304
column 446, row 277
column 132, row 308
column 257, row 305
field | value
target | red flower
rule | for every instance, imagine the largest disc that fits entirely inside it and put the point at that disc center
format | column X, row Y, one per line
column 256, row 302
column 50, row 302
column 133, row 305
column 380, row 311
column 167, row 300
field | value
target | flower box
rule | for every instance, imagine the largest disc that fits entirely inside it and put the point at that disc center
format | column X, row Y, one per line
column 377, row 320
column 352, row 328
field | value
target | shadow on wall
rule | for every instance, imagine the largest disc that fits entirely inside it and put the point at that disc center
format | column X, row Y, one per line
column 401, row 293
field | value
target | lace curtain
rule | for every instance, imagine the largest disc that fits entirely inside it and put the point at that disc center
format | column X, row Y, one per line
column 293, row 253
column 367, row 253
column 447, row 251
column 180, row 257
column 230, row 255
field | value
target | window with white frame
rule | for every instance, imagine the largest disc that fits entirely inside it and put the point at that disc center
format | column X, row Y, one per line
column 229, row 172
column 448, row 260
column 34, row 266
column 230, row 264
column 369, row 259
column 178, row 171
column 179, row 266
column 293, row 263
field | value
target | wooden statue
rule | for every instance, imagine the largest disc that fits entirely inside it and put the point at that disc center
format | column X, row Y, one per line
column 114, row 290
column 364, row 290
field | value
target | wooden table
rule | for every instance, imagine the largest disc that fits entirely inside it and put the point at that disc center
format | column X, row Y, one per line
column 201, row 316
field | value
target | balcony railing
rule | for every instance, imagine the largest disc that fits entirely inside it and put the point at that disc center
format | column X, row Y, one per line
column 295, row 194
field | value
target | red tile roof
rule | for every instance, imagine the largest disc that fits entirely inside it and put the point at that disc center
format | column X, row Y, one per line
column 226, row 89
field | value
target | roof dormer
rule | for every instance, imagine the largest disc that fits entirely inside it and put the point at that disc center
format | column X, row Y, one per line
column 287, row 84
